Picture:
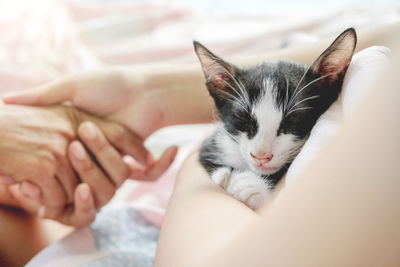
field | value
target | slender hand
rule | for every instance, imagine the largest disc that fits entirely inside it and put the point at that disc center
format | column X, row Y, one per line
column 140, row 101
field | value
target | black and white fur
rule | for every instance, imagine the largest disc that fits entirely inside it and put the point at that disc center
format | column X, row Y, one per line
column 266, row 114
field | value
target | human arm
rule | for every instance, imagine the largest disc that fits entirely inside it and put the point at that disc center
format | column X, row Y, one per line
column 146, row 99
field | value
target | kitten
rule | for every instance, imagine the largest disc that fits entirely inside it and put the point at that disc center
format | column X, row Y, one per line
column 267, row 112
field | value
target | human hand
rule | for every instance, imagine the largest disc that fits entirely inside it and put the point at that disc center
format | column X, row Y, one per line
column 33, row 148
column 98, row 184
column 118, row 95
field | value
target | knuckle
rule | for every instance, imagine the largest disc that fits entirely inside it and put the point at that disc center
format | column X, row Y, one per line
column 117, row 134
column 86, row 165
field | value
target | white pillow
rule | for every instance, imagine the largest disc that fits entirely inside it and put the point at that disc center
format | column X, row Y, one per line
column 365, row 67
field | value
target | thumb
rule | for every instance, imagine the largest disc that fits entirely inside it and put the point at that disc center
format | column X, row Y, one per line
column 47, row 94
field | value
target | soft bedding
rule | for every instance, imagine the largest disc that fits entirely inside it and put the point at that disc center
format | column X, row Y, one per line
column 44, row 40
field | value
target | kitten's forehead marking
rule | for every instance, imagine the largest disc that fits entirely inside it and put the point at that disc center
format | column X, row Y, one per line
column 267, row 112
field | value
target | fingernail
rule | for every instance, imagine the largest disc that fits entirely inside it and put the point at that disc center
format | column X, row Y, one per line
column 41, row 211
column 79, row 151
column 6, row 179
column 84, row 192
column 30, row 190
column 89, row 131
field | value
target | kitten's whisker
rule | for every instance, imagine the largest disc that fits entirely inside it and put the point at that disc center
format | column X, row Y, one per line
column 305, row 99
column 241, row 88
column 235, row 100
column 294, row 96
column 297, row 109
column 297, row 86
column 287, row 93
column 228, row 133
column 241, row 101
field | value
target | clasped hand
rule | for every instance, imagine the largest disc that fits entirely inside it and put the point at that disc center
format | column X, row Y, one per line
column 62, row 163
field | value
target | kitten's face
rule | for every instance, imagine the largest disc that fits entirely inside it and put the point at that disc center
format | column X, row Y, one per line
column 269, row 110
column 265, row 140
column 270, row 124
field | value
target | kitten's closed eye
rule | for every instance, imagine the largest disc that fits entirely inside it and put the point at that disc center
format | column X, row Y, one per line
column 245, row 123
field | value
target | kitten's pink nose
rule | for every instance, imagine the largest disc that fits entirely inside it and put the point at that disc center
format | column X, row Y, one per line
column 262, row 158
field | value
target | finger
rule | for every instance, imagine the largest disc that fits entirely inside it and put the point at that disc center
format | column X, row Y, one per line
column 126, row 141
column 108, row 157
column 135, row 166
column 83, row 211
column 31, row 191
column 163, row 163
column 67, row 178
column 24, row 202
column 159, row 167
column 53, row 194
column 103, row 189
column 50, row 93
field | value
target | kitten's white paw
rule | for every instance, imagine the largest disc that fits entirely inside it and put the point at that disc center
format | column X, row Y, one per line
column 221, row 176
column 248, row 188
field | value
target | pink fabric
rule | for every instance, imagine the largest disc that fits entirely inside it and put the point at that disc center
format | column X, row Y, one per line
column 42, row 40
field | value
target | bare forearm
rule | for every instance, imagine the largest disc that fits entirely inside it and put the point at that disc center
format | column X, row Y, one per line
column 182, row 95
column 180, row 90
column 386, row 35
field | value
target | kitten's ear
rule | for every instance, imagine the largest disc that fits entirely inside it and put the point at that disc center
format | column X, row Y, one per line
column 333, row 62
column 219, row 73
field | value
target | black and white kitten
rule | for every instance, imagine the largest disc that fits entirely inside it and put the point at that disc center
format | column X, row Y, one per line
column 267, row 112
